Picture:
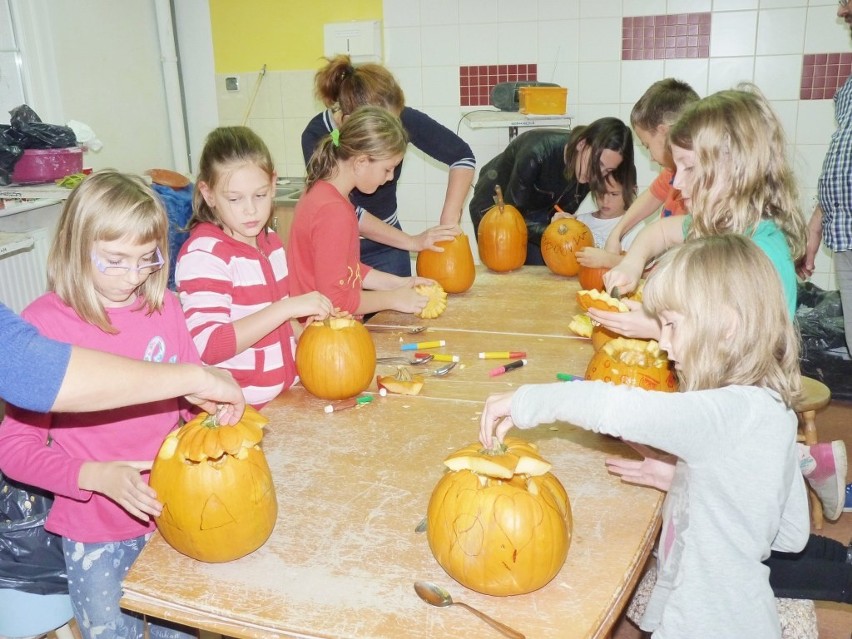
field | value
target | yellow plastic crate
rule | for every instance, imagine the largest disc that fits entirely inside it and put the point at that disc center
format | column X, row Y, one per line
column 543, row 100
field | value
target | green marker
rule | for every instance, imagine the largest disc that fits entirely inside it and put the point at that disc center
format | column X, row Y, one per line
column 565, row 377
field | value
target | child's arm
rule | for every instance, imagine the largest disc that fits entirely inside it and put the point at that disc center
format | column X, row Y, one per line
column 794, row 528
column 806, row 263
column 458, row 186
column 386, row 291
column 375, row 229
column 250, row 329
column 651, row 242
column 634, row 323
column 122, row 483
column 593, row 257
column 643, row 207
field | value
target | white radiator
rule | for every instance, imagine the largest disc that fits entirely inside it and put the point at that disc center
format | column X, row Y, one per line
column 23, row 274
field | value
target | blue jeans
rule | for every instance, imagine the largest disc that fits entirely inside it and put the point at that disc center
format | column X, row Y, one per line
column 95, row 572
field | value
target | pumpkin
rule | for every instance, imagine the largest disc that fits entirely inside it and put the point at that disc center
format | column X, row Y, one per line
column 592, row 277
column 403, row 383
column 502, row 236
column 336, row 358
column 216, row 488
column 600, row 300
column 601, row 335
column 581, row 325
column 453, row 269
column 561, row 241
column 437, row 300
column 498, row 521
column 634, row 362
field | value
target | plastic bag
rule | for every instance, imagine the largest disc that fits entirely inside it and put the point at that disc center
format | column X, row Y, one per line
column 31, row 559
column 820, row 319
column 10, row 153
column 29, row 132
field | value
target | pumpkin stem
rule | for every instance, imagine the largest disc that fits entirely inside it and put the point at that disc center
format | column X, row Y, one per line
column 211, row 421
column 403, row 374
column 498, row 197
column 497, row 448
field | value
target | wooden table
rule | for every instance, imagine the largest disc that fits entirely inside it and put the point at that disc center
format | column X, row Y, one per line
column 353, row 485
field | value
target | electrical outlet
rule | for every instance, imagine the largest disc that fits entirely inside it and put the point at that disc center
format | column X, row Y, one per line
column 232, row 83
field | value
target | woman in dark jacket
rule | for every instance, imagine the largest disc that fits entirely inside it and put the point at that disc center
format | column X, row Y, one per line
column 544, row 168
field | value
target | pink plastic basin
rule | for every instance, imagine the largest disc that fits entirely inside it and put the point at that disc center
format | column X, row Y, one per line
column 46, row 165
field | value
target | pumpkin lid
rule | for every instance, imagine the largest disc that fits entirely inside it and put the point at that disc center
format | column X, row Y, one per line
column 601, row 300
column 513, row 456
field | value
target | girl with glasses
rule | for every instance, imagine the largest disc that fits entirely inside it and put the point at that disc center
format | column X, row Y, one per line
column 107, row 291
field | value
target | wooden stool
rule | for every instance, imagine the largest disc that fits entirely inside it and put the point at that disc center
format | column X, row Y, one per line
column 815, row 396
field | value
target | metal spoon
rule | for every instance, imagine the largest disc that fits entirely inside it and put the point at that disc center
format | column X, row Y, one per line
column 442, row 370
column 437, row 596
column 398, row 359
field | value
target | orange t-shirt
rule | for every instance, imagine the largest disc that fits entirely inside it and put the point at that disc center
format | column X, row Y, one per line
column 662, row 189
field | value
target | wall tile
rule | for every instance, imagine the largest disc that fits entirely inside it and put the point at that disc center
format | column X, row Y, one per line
column 600, row 39
column 808, row 162
column 600, row 82
column 644, row 7
column 439, row 45
column 733, row 33
column 725, row 73
column 778, row 76
column 509, row 11
column 816, row 122
column 476, row 82
column 734, row 5
column 825, row 31
column 637, row 76
column 478, row 44
column 823, row 74
column 517, row 41
column 297, row 94
column 559, row 9
column 402, row 47
column 781, row 4
column 401, row 13
column 781, row 31
column 693, row 72
column 411, row 81
column 598, row 9
column 477, row 11
column 688, row 6
column 788, row 114
column 559, row 40
column 664, row 37
column 439, row 12
column 440, row 86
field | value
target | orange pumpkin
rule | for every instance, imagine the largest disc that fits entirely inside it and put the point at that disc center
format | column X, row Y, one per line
column 502, row 237
column 600, row 300
column 216, row 489
column 336, row 358
column 634, row 362
column 561, row 241
column 601, row 336
column 498, row 522
column 453, row 269
column 590, row 277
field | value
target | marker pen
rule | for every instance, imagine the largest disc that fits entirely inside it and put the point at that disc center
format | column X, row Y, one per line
column 413, row 347
column 502, row 355
column 508, row 367
column 565, row 377
column 349, row 403
column 440, row 357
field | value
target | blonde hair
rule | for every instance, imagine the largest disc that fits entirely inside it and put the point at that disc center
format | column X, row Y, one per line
column 106, row 206
column 741, row 170
column 371, row 131
column 345, row 87
column 226, row 149
column 737, row 326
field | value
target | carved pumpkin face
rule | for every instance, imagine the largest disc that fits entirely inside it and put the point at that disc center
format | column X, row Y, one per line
column 453, row 269
column 336, row 358
column 216, row 489
column 632, row 361
column 560, row 243
column 499, row 522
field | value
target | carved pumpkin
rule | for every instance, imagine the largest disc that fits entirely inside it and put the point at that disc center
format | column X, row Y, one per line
column 502, row 236
column 600, row 300
column 590, row 277
column 437, row 300
column 601, row 336
column 216, row 489
column 634, row 362
column 581, row 325
column 561, row 241
column 336, row 358
column 453, row 269
column 498, row 522
column 403, row 383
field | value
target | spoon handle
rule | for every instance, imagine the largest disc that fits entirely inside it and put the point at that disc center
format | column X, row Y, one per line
column 506, row 630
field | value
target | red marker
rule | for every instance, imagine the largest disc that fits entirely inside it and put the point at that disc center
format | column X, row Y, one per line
column 494, row 372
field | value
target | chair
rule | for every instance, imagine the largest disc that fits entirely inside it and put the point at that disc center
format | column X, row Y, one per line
column 815, row 396
column 23, row 614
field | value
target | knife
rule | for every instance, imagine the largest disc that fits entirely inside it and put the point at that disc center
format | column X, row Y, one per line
column 614, row 293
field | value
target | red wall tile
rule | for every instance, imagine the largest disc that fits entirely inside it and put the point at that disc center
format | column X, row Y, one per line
column 476, row 82
column 665, row 37
column 823, row 74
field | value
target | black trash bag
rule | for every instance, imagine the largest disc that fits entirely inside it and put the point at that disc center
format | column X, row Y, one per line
column 31, row 559
column 820, row 320
column 29, row 132
column 10, row 153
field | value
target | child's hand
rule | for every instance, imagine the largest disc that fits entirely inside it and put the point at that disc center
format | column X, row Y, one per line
column 427, row 240
column 559, row 215
column 313, row 305
column 635, row 323
column 625, row 275
column 421, row 281
column 496, row 418
column 656, row 469
column 593, row 257
column 407, row 300
column 122, row 483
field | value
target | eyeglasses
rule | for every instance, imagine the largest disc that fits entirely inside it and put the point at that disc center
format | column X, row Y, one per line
column 115, row 270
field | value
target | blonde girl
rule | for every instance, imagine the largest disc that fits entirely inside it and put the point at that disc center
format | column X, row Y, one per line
column 324, row 251
column 232, row 271
column 107, row 292
column 736, row 491
column 734, row 177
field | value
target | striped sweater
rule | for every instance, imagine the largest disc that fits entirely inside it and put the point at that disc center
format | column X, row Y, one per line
column 221, row 280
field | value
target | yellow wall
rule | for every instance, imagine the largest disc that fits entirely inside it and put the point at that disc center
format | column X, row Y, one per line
column 282, row 34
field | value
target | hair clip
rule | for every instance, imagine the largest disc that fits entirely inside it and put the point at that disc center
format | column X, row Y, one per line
column 335, row 137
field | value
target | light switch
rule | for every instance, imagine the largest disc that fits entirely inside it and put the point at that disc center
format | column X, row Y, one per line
column 361, row 40
column 232, row 83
